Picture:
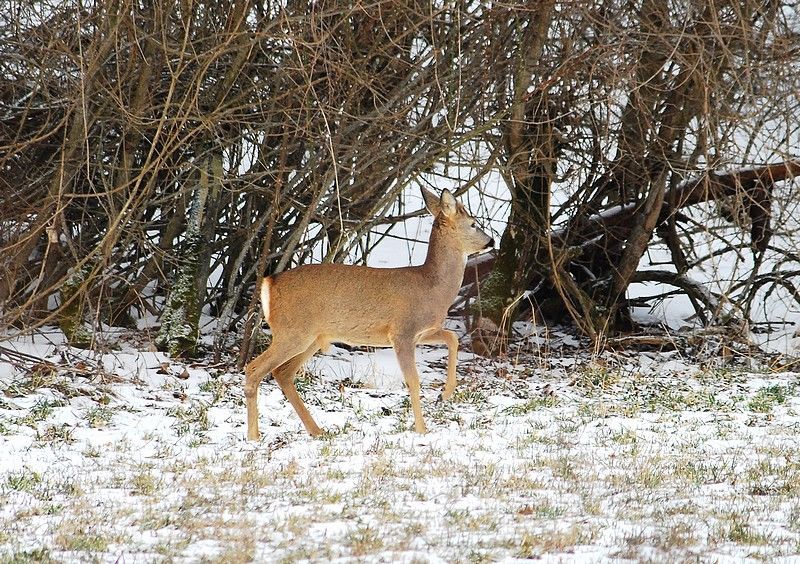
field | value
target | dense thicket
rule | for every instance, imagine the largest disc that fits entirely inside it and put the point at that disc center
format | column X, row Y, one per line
column 156, row 156
column 620, row 116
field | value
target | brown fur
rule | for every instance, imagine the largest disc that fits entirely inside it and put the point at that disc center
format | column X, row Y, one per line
column 314, row 305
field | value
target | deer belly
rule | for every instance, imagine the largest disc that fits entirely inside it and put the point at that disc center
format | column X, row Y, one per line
column 368, row 336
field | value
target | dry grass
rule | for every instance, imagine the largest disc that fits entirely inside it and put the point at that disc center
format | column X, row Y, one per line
column 607, row 462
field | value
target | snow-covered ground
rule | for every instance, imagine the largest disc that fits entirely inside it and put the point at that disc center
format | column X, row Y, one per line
column 555, row 454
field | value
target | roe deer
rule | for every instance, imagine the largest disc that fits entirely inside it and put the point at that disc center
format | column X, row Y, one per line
column 312, row 306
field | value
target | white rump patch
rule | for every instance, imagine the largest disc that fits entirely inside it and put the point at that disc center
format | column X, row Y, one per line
column 265, row 284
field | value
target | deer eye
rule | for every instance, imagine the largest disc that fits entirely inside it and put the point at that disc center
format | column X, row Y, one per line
column 474, row 225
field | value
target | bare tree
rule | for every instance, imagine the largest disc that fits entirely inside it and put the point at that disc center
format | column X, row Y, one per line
column 157, row 157
column 616, row 118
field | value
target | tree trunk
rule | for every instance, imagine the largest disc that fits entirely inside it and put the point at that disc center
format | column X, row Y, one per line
column 179, row 329
column 530, row 163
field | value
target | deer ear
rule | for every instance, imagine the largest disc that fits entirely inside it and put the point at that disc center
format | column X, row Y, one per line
column 431, row 201
column 448, row 204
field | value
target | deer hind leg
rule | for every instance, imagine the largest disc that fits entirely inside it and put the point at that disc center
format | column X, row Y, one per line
column 450, row 339
column 284, row 376
column 404, row 349
column 277, row 354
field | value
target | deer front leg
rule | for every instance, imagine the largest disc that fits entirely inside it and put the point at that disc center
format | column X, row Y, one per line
column 450, row 339
column 404, row 349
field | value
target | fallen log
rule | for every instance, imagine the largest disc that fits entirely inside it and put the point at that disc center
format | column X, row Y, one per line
column 754, row 182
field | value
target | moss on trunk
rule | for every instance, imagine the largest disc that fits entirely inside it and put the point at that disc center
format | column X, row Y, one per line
column 180, row 323
column 70, row 318
column 491, row 309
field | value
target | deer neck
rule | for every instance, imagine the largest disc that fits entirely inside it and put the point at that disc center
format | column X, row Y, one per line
column 445, row 263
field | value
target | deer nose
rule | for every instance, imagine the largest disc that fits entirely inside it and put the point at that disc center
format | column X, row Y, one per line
column 490, row 244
